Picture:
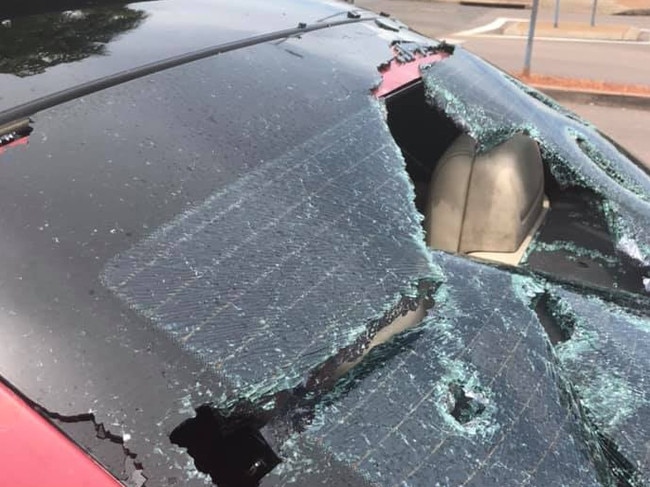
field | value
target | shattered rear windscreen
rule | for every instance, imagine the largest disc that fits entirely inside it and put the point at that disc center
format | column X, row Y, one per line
column 288, row 271
column 255, row 208
column 608, row 361
column 276, row 273
column 473, row 396
column 491, row 107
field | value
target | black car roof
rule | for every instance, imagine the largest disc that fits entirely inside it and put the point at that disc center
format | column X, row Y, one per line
column 56, row 46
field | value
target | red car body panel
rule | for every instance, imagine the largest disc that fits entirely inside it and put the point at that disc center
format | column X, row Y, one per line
column 36, row 454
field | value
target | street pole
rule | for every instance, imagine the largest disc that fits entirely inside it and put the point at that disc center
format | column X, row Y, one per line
column 556, row 17
column 593, row 13
column 531, row 35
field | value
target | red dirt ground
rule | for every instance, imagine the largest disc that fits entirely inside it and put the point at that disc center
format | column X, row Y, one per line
column 585, row 85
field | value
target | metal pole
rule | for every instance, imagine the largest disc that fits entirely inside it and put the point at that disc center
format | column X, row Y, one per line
column 593, row 13
column 531, row 35
column 556, row 18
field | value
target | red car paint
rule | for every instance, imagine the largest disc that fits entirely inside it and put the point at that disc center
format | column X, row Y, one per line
column 396, row 74
column 33, row 453
column 15, row 143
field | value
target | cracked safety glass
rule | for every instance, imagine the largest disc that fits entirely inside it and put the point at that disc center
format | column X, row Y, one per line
column 472, row 396
column 606, row 360
column 593, row 187
column 355, row 353
column 278, row 272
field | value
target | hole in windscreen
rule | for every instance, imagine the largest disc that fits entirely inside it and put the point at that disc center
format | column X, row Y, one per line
column 229, row 449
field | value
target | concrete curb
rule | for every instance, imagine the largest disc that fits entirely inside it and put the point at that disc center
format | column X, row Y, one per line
column 516, row 5
column 637, row 102
column 634, row 12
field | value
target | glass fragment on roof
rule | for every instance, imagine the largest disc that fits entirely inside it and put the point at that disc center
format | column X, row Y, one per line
column 272, row 276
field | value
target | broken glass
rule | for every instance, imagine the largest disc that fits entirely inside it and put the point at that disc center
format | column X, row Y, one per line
column 575, row 243
column 491, row 107
column 276, row 273
column 472, row 396
column 607, row 360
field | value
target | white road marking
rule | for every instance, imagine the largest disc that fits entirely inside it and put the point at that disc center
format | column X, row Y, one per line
column 487, row 32
column 564, row 39
column 492, row 26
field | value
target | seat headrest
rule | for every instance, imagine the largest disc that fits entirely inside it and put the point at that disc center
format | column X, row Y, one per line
column 486, row 202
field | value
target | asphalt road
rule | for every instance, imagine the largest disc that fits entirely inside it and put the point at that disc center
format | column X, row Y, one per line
column 434, row 19
column 619, row 63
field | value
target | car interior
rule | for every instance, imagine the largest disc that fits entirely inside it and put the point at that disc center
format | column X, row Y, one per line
column 487, row 205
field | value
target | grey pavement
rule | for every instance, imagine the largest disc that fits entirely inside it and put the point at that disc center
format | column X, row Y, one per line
column 435, row 19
